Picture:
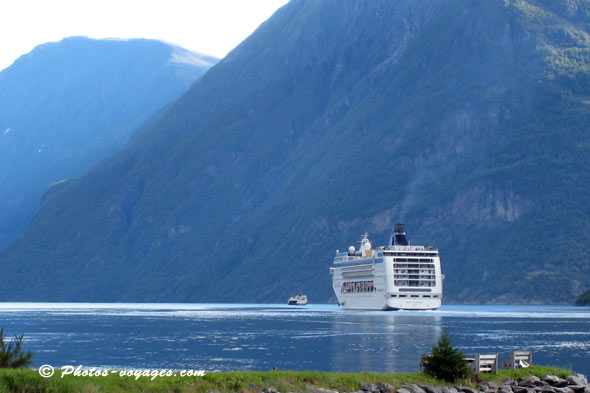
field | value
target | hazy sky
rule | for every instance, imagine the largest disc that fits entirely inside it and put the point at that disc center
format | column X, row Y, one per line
column 213, row 27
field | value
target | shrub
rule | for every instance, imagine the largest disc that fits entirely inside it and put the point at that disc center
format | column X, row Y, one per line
column 584, row 299
column 446, row 363
column 12, row 354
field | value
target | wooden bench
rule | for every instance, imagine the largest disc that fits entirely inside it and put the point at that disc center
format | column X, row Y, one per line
column 518, row 359
column 483, row 363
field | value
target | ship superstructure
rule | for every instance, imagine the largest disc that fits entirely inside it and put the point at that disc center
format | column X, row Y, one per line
column 399, row 276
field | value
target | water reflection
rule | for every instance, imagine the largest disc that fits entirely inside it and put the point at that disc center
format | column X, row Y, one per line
column 384, row 342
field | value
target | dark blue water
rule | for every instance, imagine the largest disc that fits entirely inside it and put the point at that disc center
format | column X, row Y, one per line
column 316, row 337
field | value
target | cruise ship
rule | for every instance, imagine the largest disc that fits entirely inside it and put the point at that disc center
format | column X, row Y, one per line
column 400, row 276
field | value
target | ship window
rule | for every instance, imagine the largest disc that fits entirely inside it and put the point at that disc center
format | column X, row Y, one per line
column 415, row 296
column 403, row 295
column 358, row 287
column 393, row 295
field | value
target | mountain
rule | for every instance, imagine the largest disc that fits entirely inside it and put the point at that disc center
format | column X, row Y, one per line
column 67, row 105
column 466, row 120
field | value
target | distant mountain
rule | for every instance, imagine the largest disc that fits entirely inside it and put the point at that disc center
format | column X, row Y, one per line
column 467, row 120
column 67, row 105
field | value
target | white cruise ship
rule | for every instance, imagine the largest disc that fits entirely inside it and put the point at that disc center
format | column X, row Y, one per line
column 397, row 277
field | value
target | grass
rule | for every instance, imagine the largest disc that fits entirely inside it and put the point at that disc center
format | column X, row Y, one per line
column 29, row 381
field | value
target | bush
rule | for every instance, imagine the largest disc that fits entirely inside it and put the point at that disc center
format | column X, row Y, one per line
column 446, row 363
column 584, row 299
column 12, row 354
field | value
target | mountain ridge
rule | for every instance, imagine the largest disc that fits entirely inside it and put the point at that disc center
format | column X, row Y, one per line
column 334, row 119
column 68, row 104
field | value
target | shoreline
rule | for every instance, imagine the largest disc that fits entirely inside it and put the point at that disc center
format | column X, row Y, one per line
column 29, row 380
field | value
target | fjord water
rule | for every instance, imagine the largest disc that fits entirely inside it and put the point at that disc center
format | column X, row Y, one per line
column 223, row 337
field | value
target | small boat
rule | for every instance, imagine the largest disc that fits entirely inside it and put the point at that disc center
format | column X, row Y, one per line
column 297, row 300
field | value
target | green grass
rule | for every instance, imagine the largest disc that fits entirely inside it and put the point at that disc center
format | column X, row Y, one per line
column 29, row 381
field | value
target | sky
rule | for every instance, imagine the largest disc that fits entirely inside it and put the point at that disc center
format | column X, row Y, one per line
column 212, row 27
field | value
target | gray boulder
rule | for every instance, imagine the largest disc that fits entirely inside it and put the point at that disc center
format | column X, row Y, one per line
column 522, row 389
column 504, row 389
column 532, row 382
column 386, row 388
column 446, row 389
column 368, row 387
column 577, row 379
column 403, row 390
column 553, row 380
column 413, row 388
column 465, row 389
column 566, row 389
column 547, row 389
column 579, row 388
column 429, row 389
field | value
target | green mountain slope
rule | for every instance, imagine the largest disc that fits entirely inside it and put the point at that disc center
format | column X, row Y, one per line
column 466, row 120
column 69, row 104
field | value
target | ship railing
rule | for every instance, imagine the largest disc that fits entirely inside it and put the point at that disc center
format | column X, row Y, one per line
column 351, row 258
column 410, row 248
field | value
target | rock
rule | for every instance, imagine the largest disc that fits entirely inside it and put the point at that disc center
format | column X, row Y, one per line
column 429, row 389
column 369, row 387
column 566, row 389
column 577, row 379
column 317, row 389
column 579, row 388
column 527, row 382
column 504, row 389
column 552, row 379
column 511, row 382
column 547, row 388
column 446, row 389
column 387, row 388
column 465, row 389
column 413, row 388
column 270, row 390
column 521, row 389
column 255, row 388
column 404, row 390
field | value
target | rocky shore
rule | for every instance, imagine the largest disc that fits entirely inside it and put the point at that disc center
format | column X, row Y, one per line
column 575, row 383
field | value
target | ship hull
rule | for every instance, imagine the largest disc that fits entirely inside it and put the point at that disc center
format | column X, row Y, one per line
column 378, row 302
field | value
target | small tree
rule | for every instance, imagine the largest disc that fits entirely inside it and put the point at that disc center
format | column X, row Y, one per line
column 12, row 354
column 446, row 363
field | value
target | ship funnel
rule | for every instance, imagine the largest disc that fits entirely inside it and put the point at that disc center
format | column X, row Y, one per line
column 399, row 237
